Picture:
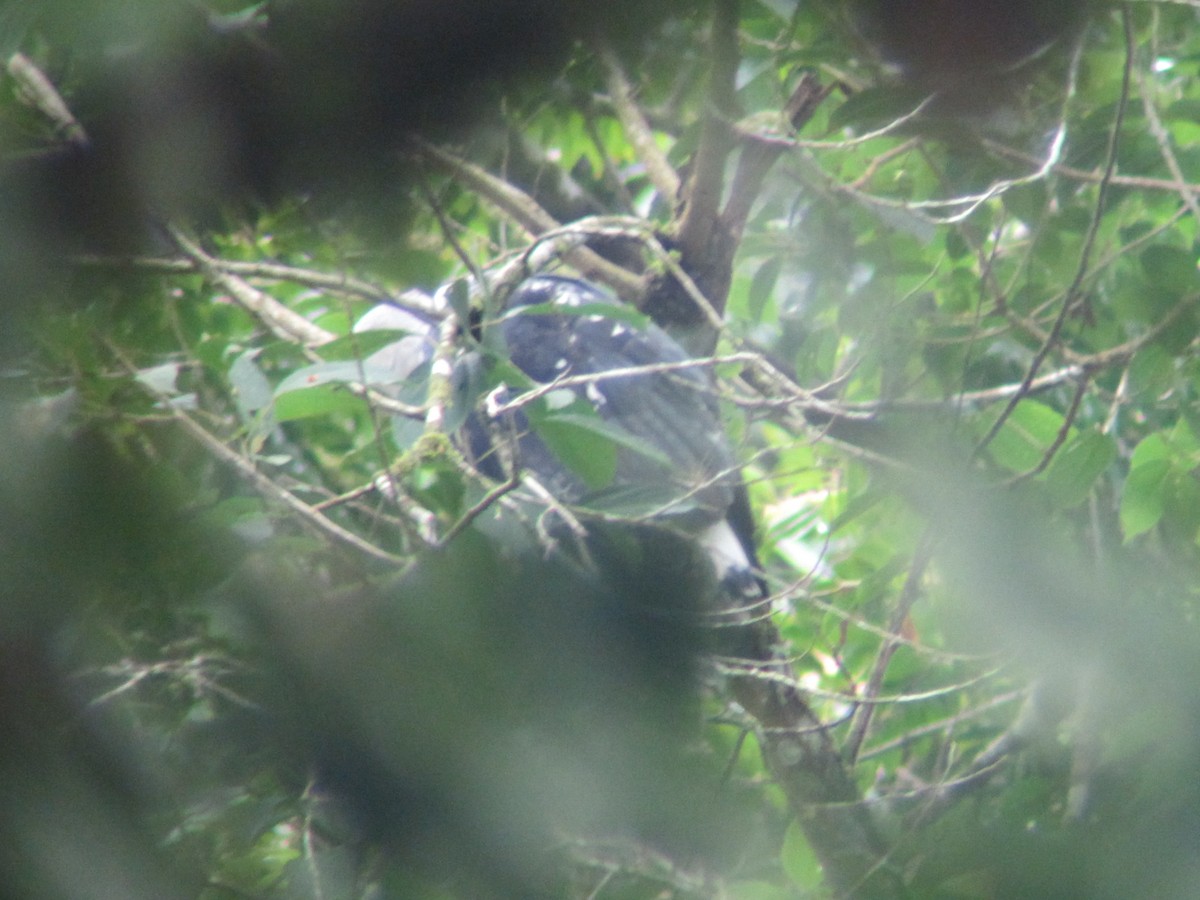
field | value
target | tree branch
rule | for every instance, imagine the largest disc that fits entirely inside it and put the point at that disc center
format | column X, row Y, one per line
column 316, row 520
column 658, row 168
column 706, row 252
column 908, row 596
column 526, row 212
column 284, row 322
column 758, row 157
column 821, row 794
column 38, row 91
column 346, row 285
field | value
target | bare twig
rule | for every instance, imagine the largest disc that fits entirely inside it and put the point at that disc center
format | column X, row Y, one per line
column 1059, row 438
column 486, row 502
column 696, row 230
column 757, row 158
column 707, row 308
column 418, row 302
column 908, row 596
column 441, row 372
column 1186, row 192
column 284, row 322
column 880, row 161
column 1073, row 291
column 788, row 142
column 307, row 514
column 1139, row 182
column 940, row 725
column 1039, row 714
column 526, row 212
column 662, row 175
column 39, row 92
column 566, row 381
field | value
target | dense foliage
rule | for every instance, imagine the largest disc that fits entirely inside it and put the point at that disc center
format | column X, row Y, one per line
column 265, row 634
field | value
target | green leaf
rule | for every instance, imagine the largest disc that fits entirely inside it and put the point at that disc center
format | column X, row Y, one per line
column 1026, row 202
column 1075, row 469
column 1151, row 448
column 573, row 439
column 360, row 345
column 762, row 285
column 799, row 862
column 756, row 890
column 347, row 372
column 161, row 379
column 1144, row 497
column 251, row 390
column 254, row 14
column 956, row 245
column 252, row 397
column 1025, row 436
column 322, row 400
column 586, row 443
column 438, row 485
column 1183, row 110
column 1151, row 372
column 1181, row 504
column 1183, row 440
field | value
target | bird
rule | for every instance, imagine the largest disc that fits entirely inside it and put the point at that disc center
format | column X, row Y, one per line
column 557, row 349
column 620, row 380
column 639, row 381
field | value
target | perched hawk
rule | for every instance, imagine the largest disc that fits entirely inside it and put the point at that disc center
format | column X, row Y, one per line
column 659, row 413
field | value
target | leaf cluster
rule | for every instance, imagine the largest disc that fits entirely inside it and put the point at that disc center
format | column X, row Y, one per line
column 278, row 633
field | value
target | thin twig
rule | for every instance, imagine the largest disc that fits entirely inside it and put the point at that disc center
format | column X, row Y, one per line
column 39, row 92
column 870, row 694
column 921, row 731
column 415, row 301
column 1186, row 192
column 489, row 499
column 441, row 374
column 284, row 322
column 658, row 168
column 870, row 170
column 567, row 381
column 1073, row 291
column 1138, row 182
column 1059, row 438
column 701, row 194
column 527, row 213
column 269, row 489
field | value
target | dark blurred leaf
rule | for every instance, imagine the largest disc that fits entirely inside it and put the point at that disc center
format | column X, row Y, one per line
column 1170, row 268
column 873, row 107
